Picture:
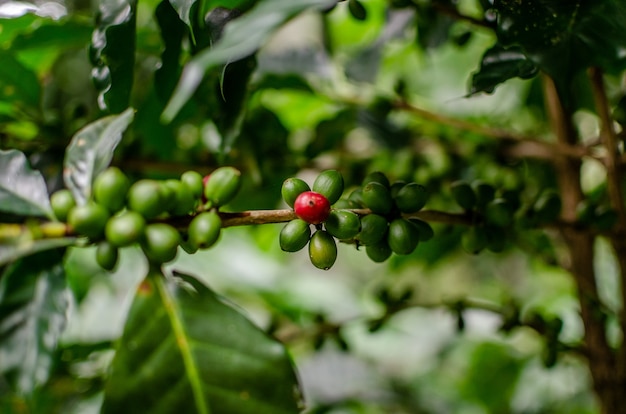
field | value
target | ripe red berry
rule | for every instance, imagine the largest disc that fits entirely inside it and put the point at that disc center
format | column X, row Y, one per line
column 312, row 207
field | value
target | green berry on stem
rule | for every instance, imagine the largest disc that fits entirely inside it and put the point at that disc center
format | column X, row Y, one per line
column 329, row 184
column 376, row 177
column 292, row 188
column 160, row 242
column 106, row 255
column 378, row 252
column 403, row 236
column 343, row 224
column 222, row 186
column 204, row 230
column 88, row 220
column 183, row 198
column 312, row 207
column 146, row 197
column 373, row 229
column 194, row 182
column 377, row 198
column 62, row 202
column 463, row 194
column 125, row 228
column 411, row 198
column 424, row 229
column 322, row 250
column 474, row 240
column 294, row 235
column 110, row 188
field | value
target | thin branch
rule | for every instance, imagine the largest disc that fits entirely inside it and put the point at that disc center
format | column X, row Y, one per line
column 454, row 13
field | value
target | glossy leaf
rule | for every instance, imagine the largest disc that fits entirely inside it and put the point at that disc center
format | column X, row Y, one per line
column 185, row 350
column 33, row 303
column 69, row 33
column 173, row 31
column 18, row 84
column 241, row 37
column 113, row 53
column 183, row 8
column 23, row 190
column 565, row 37
column 91, row 151
column 500, row 64
column 12, row 26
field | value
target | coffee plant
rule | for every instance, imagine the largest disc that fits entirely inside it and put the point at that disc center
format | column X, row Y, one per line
column 318, row 206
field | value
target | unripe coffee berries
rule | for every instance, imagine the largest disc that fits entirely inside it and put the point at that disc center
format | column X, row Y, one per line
column 403, row 236
column 329, row 184
column 411, row 198
column 88, row 220
column 160, row 242
column 204, row 230
column 106, row 255
column 222, row 186
column 343, row 224
column 373, row 229
column 312, row 207
column 62, row 202
column 110, row 187
column 377, row 198
column 294, row 235
column 125, row 228
column 194, row 182
column 463, row 194
column 378, row 252
column 292, row 188
column 146, row 197
column 322, row 250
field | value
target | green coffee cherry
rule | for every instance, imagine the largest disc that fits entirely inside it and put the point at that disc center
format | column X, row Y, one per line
column 424, row 229
column 484, row 193
column 373, row 229
column 377, row 198
column 322, row 250
column 376, row 177
column 110, row 188
column 356, row 196
column 411, row 198
column 295, row 235
column 292, row 188
column 346, row 204
column 147, row 198
column 204, row 230
column 125, row 228
column 184, row 201
column 329, row 184
column 463, row 194
column 62, row 202
column 395, row 187
column 193, row 181
column 160, row 242
column 497, row 239
column 168, row 195
column 88, row 220
column 106, row 255
column 402, row 237
column 474, row 240
column 343, row 224
column 605, row 218
column 378, row 252
column 499, row 212
column 222, row 186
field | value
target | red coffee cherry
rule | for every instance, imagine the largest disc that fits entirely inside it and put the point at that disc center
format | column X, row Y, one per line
column 312, row 207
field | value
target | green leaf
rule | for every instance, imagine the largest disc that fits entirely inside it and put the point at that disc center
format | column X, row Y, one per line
column 33, row 304
column 91, row 151
column 172, row 31
column 18, row 84
column 10, row 252
column 563, row 38
column 11, row 27
column 241, row 37
column 112, row 52
column 23, row 190
column 500, row 64
column 52, row 33
column 185, row 350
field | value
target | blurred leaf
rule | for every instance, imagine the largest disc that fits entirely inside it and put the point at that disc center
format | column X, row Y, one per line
column 11, row 27
column 10, row 252
column 500, row 64
column 241, row 37
column 62, row 34
column 112, row 52
column 23, row 191
column 91, row 151
column 18, row 84
column 173, row 31
column 185, row 350
column 433, row 26
column 183, row 9
column 33, row 305
column 563, row 38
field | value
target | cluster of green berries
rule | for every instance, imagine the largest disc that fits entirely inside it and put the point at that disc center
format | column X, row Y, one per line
column 371, row 216
column 120, row 213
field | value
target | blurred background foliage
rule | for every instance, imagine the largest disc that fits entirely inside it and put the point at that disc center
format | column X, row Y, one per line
column 320, row 93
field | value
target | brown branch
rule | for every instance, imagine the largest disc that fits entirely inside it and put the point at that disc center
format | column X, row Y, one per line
column 516, row 145
column 454, row 13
